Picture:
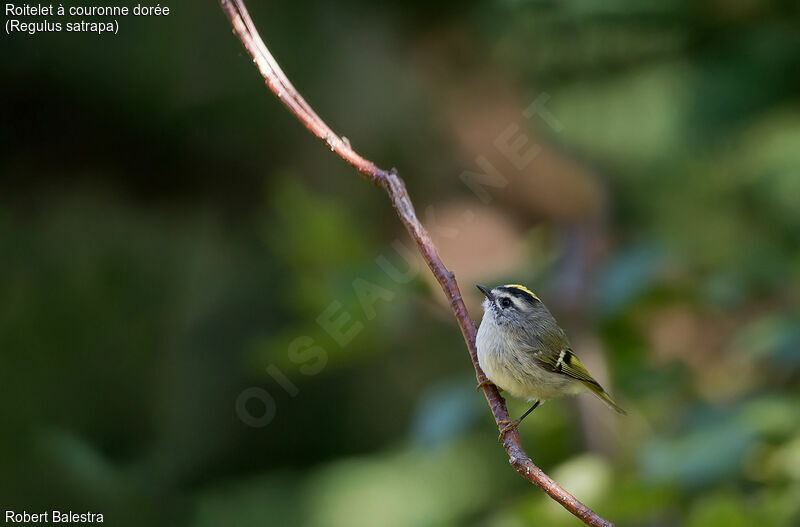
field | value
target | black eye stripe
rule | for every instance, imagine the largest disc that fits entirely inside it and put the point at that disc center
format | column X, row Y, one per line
column 520, row 294
column 505, row 302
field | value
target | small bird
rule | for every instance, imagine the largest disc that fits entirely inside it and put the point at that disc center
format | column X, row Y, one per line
column 523, row 351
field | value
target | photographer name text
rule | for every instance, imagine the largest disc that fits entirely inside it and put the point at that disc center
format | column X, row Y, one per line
column 53, row 516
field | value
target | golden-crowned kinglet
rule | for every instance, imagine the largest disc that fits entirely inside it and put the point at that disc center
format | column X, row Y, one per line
column 522, row 350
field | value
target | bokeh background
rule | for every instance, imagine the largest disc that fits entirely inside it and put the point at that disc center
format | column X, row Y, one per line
column 168, row 232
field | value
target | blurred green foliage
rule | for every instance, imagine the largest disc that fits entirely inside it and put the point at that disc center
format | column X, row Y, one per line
column 168, row 231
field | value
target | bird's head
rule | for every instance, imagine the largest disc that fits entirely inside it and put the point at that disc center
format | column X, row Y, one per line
column 511, row 304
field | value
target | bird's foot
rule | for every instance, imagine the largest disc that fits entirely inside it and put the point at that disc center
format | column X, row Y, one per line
column 487, row 382
column 481, row 384
column 508, row 426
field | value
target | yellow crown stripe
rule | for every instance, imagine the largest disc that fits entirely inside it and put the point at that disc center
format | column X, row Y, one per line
column 523, row 288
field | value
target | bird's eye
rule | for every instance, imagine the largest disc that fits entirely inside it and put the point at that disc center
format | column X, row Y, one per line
column 505, row 302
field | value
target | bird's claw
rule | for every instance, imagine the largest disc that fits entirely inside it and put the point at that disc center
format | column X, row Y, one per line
column 487, row 382
column 508, row 426
column 481, row 384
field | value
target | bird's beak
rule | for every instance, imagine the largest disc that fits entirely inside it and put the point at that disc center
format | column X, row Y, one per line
column 485, row 292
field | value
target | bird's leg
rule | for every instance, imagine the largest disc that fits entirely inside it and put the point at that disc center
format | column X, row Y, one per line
column 512, row 425
column 532, row 408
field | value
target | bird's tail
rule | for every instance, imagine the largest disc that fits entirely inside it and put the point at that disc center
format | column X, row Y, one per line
column 603, row 396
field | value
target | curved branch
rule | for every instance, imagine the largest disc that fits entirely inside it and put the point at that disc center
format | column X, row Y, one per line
column 279, row 84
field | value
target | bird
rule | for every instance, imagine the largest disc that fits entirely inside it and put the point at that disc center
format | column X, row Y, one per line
column 523, row 351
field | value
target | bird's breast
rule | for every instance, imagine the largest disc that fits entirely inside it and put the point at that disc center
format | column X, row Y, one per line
column 497, row 359
column 513, row 367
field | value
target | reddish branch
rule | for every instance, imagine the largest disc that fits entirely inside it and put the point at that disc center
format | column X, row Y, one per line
column 244, row 28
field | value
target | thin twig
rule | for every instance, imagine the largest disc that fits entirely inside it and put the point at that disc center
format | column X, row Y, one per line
column 279, row 84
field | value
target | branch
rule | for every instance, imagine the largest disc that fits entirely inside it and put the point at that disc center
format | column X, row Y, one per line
column 279, row 84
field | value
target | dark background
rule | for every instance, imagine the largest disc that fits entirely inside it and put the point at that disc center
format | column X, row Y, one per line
column 168, row 231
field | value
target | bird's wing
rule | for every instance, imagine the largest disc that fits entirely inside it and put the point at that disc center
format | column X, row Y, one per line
column 566, row 363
